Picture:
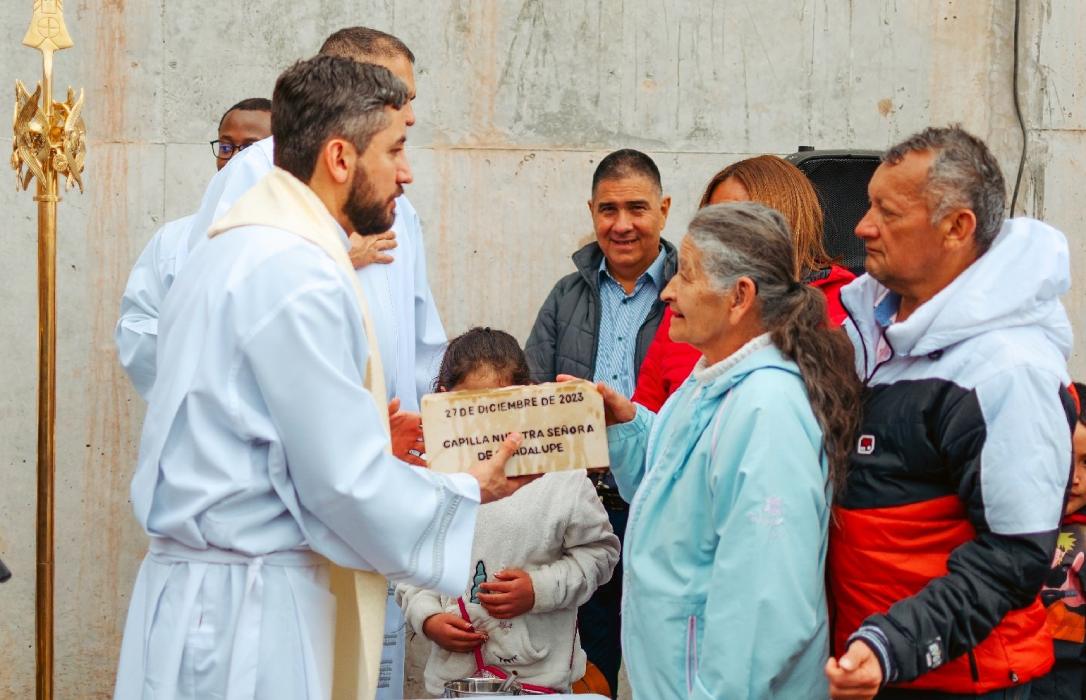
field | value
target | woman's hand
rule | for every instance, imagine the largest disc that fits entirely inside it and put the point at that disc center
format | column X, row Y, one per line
column 493, row 483
column 452, row 633
column 509, row 595
column 616, row 407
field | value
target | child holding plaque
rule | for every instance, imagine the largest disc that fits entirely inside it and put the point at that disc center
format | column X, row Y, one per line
column 537, row 556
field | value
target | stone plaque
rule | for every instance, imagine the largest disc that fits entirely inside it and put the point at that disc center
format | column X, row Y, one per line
column 562, row 425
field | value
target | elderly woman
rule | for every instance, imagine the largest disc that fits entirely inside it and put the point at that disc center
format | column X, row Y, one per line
column 731, row 482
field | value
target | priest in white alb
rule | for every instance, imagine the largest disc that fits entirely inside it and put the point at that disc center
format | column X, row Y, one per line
column 409, row 333
column 265, row 478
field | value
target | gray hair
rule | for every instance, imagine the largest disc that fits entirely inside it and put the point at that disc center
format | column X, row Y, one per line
column 747, row 239
column 359, row 43
column 963, row 174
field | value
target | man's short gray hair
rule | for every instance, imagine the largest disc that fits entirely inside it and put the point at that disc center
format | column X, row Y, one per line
column 963, row 174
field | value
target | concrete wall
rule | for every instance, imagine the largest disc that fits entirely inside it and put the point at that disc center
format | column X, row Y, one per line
column 517, row 102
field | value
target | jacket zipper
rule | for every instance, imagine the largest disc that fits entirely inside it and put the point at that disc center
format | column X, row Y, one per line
column 859, row 334
column 863, row 346
column 973, row 667
column 691, row 653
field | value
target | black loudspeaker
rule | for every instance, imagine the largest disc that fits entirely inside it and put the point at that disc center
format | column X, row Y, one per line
column 840, row 178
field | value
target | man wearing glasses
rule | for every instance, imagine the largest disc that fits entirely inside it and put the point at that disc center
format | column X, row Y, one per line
column 136, row 334
column 243, row 125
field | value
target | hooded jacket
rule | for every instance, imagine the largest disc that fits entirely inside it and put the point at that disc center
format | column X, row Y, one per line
column 726, row 542
column 945, row 531
column 565, row 336
column 667, row 363
column 557, row 531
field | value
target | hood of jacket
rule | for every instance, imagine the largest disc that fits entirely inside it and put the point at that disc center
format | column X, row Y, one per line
column 758, row 354
column 588, row 258
column 1017, row 282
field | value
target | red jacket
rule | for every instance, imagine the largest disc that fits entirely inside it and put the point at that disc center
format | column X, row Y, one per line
column 667, row 363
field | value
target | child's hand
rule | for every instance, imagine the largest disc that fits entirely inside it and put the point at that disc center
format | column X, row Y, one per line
column 452, row 633
column 405, row 429
column 510, row 595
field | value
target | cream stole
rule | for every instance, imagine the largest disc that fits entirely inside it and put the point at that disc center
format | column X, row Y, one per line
column 282, row 201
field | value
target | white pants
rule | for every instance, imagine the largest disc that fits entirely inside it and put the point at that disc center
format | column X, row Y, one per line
column 212, row 624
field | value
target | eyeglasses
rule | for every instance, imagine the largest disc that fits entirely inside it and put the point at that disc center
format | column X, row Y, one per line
column 227, row 150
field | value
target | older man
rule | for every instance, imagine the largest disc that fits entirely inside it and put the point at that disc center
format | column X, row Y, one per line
column 944, row 534
column 598, row 322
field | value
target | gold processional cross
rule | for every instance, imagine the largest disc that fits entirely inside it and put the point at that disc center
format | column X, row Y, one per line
column 50, row 140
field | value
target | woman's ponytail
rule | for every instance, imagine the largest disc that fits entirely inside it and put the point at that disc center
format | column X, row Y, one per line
column 824, row 356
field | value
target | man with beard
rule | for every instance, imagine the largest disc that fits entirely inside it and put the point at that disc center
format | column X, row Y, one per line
column 265, row 450
column 410, row 332
column 408, row 329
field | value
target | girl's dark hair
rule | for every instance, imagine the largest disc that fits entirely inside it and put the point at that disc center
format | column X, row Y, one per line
column 1080, row 389
column 746, row 239
column 482, row 348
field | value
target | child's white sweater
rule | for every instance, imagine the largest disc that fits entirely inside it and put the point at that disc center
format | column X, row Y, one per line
column 556, row 530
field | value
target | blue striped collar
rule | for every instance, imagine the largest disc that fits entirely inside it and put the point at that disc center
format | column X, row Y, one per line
column 655, row 272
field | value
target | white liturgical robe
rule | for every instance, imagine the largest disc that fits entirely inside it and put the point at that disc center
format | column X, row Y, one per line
column 150, row 279
column 411, row 336
column 261, row 447
column 409, row 331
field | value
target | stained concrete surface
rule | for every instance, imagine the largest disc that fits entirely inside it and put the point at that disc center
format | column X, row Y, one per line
column 517, row 102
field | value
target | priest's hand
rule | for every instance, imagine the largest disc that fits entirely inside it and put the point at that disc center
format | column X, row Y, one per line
column 366, row 250
column 405, row 428
column 616, row 407
column 855, row 676
column 510, row 595
column 452, row 633
column 493, row 483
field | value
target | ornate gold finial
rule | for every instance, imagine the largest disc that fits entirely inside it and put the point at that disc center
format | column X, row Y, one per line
column 47, row 30
column 48, row 140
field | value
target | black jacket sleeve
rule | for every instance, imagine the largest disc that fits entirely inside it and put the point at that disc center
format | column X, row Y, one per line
column 987, row 577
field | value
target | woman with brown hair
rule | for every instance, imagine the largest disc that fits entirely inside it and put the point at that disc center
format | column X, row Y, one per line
column 778, row 184
column 731, row 483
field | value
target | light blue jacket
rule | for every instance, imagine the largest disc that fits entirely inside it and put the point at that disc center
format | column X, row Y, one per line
column 726, row 544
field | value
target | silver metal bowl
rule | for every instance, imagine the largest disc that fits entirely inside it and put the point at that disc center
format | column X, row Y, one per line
column 472, row 687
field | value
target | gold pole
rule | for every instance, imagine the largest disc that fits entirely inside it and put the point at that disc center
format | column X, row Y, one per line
column 50, row 140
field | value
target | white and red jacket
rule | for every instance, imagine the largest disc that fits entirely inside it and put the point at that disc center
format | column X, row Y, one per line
column 945, row 531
